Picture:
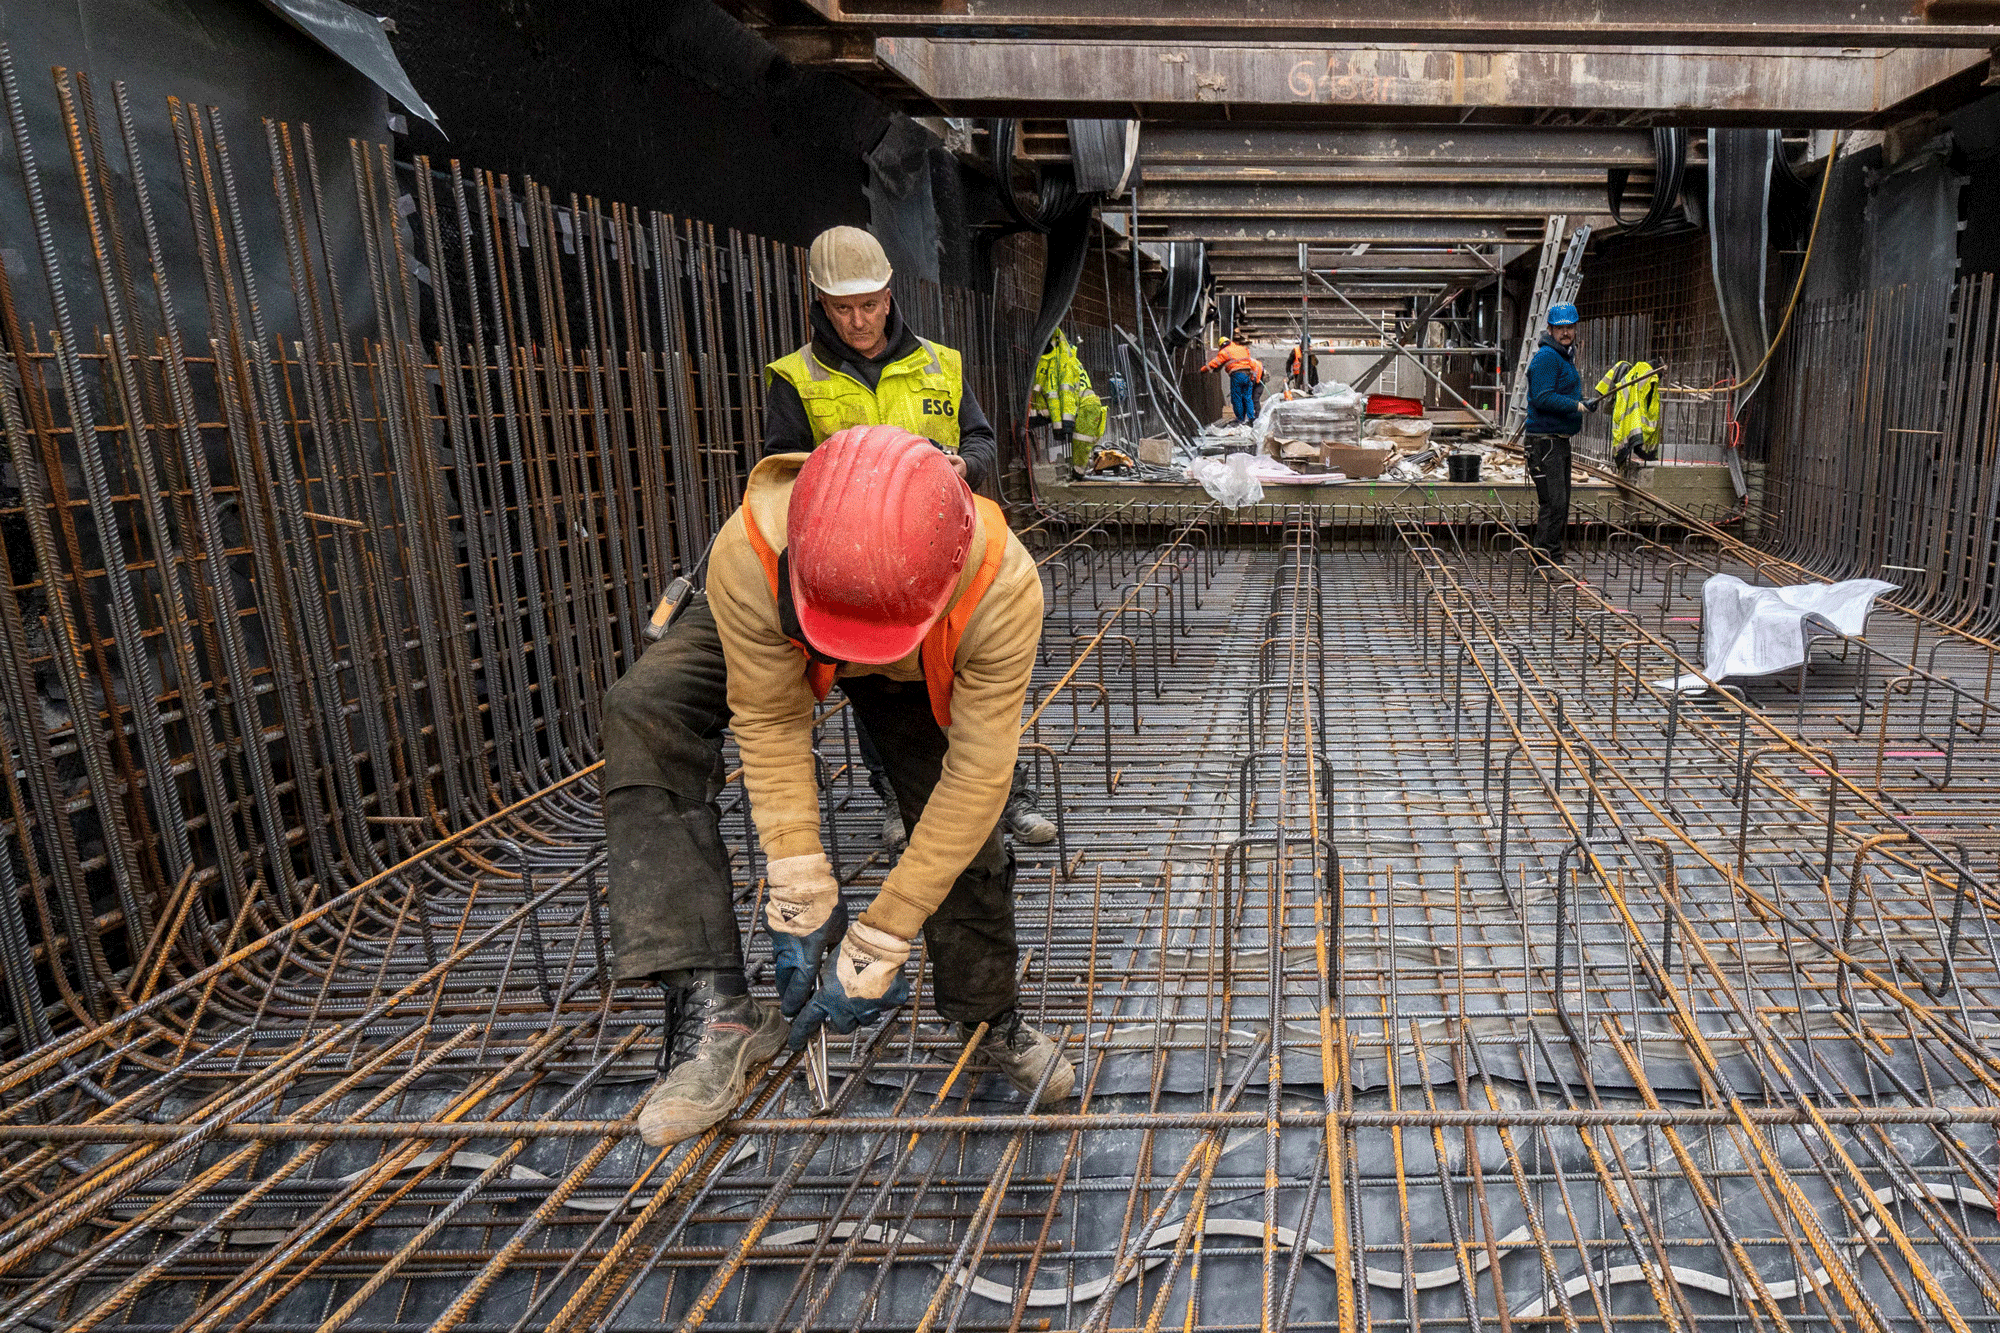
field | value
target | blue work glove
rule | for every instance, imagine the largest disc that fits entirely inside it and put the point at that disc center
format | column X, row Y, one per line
column 857, row 985
column 807, row 919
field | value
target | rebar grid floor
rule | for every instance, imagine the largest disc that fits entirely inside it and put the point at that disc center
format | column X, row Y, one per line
column 1575, row 1071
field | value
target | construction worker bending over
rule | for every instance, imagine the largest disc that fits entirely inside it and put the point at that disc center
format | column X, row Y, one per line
column 871, row 563
column 1555, row 414
column 1245, row 373
column 865, row 367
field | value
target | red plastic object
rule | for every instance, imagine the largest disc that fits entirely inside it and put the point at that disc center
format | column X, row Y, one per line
column 1389, row 405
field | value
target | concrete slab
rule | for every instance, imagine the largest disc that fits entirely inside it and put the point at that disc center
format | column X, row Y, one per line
column 1699, row 489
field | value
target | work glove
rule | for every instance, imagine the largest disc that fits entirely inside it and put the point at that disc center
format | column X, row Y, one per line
column 857, row 985
column 807, row 918
column 1622, row 457
column 1589, row 404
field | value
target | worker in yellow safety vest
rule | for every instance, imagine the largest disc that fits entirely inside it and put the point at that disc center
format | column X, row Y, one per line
column 865, row 366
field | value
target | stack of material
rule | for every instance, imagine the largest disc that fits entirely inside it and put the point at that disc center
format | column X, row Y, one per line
column 1225, row 436
column 1296, row 428
column 1318, row 420
column 1390, row 405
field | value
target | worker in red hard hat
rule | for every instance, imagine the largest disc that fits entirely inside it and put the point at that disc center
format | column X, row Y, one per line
column 871, row 563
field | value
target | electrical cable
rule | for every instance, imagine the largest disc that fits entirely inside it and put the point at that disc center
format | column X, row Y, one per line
column 1805, row 265
column 1798, row 286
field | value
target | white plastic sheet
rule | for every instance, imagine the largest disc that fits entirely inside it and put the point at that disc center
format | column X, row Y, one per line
column 1232, row 481
column 1748, row 631
column 1751, row 631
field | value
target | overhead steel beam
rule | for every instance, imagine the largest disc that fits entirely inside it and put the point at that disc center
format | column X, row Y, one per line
column 1273, row 256
column 1349, row 230
column 1166, row 144
column 1635, row 23
column 1329, row 255
column 1467, row 200
column 1086, row 78
column 1273, row 272
column 1378, row 291
column 1406, row 174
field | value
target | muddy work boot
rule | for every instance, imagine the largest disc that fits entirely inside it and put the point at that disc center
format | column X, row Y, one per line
column 1028, row 824
column 714, row 1034
column 1023, row 1054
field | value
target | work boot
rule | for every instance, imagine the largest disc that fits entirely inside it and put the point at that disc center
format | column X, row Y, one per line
column 1022, row 1054
column 894, row 835
column 714, row 1033
column 1028, row 824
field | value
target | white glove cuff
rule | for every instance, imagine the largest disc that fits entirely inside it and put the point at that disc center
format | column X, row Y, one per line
column 803, row 893
column 869, row 961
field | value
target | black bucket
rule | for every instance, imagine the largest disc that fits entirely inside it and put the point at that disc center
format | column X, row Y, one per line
column 1462, row 467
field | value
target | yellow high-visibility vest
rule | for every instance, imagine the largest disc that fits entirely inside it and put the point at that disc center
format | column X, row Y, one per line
column 919, row 392
column 1635, row 410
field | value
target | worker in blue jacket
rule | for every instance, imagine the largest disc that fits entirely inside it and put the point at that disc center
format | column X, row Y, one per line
column 1556, row 404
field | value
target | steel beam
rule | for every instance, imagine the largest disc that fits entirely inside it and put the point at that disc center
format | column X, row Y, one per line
column 1629, row 23
column 1350, row 230
column 1388, row 200
column 1179, row 146
column 1357, row 291
column 1800, row 86
column 1279, row 258
column 1272, row 271
column 1407, row 175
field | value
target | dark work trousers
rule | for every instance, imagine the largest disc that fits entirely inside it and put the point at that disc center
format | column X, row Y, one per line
column 871, row 759
column 1549, row 464
column 668, row 871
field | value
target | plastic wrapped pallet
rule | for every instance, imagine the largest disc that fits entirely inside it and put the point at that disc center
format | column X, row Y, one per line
column 1330, row 420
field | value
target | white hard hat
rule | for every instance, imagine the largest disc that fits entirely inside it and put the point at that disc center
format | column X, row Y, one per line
column 847, row 261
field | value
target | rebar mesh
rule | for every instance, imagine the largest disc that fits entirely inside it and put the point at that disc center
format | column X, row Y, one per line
column 1427, row 958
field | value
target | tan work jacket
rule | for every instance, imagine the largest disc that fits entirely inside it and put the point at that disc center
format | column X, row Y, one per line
column 772, row 703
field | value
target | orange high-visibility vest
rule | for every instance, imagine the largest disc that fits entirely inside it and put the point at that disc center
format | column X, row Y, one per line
column 1233, row 357
column 940, row 646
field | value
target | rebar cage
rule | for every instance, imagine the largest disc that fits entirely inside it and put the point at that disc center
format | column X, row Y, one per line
column 1428, row 954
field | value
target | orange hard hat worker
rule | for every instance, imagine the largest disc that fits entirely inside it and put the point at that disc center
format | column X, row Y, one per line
column 878, row 530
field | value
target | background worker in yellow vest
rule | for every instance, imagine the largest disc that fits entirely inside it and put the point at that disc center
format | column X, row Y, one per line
column 869, row 562
column 866, row 367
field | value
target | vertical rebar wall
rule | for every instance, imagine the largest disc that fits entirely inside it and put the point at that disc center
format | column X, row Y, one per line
column 1428, row 958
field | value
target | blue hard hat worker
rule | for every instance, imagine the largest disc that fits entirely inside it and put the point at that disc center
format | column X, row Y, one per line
column 1556, row 404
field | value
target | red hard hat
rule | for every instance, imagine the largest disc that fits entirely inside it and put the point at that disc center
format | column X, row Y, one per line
column 877, row 531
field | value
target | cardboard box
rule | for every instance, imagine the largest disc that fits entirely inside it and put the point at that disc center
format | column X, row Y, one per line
column 1158, row 451
column 1356, row 460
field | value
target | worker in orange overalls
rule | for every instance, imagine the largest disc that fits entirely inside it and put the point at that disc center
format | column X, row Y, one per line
column 1245, row 372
